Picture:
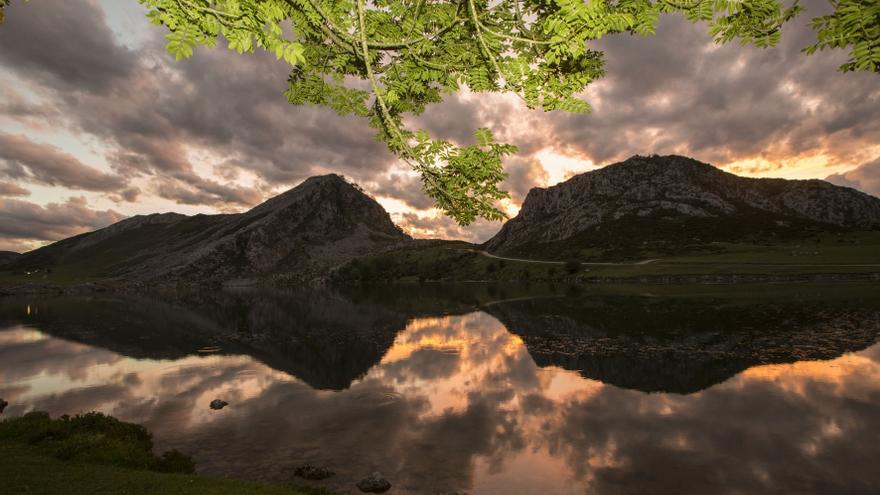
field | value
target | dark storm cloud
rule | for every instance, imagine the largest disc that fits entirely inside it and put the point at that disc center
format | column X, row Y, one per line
column 458, row 116
column 165, row 124
column 406, row 188
column 198, row 191
column 25, row 160
column 26, row 220
column 64, row 44
column 865, row 177
column 679, row 92
column 153, row 113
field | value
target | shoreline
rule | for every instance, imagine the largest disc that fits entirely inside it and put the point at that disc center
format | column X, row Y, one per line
column 683, row 279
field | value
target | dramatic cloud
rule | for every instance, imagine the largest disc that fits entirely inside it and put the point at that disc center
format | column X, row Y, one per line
column 680, row 92
column 524, row 174
column 214, row 132
column 165, row 121
column 865, row 177
column 403, row 187
column 65, row 45
column 23, row 220
column 23, row 159
column 433, row 224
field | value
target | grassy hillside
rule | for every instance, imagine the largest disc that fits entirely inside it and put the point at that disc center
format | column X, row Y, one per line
column 636, row 238
column 825, row 253
column 457, row 261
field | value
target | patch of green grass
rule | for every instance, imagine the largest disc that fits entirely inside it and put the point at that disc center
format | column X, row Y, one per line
column 25, row 470
column 96, row 454
column 93, row 437
column 827, row 253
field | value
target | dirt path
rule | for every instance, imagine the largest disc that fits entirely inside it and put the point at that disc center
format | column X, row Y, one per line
column 490, row 255
column 649, row 261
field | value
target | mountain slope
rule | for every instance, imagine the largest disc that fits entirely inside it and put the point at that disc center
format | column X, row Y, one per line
column 666, row 204
column 322, row 222
column 8, row 257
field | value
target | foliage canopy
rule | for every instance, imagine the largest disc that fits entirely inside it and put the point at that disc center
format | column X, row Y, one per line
column 385, row 59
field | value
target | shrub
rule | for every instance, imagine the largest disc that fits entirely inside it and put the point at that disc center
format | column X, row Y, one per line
column 572, row 266
column 174, row 461
column 93, row 437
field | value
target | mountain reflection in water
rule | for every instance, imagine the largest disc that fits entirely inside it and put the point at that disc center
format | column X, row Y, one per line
column 484, row 390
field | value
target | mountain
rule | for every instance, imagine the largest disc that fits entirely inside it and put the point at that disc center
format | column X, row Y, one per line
column 7, row 257
column 298, row 234
column 670, row 204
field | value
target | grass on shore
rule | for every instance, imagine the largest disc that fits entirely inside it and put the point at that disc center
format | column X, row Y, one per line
column 94, row 454
column 27, row 471
column 456, row 262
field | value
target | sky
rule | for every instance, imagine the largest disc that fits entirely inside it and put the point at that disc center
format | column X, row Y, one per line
column 98, row 122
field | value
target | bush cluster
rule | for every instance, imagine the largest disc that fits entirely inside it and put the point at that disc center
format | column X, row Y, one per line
column 93, row 437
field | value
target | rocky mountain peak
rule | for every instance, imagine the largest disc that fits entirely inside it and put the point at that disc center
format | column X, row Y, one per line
column 670, row 195
column 300, row 233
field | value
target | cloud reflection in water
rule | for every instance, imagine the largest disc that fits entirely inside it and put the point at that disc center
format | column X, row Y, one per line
column 458, row 403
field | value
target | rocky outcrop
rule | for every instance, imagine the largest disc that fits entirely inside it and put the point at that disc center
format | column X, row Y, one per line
column 665, row 195
column 299, row 234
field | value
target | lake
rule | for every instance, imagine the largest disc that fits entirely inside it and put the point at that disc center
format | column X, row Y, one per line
column 477, row 389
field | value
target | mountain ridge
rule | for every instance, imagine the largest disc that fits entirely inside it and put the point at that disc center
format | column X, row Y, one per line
column 641, row 208
column 651, row 198
column 319, row 223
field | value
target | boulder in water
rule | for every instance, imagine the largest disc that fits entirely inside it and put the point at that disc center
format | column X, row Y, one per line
column 311, row 472
column 374, row 483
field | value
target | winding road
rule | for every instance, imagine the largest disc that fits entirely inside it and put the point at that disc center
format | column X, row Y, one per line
column 585, row 263
column 649, row 261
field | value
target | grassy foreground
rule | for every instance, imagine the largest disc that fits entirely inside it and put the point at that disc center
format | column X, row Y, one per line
column 95, row 454
column 24, row 470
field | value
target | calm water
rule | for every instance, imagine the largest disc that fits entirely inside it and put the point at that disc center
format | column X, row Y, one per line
column 486, row 390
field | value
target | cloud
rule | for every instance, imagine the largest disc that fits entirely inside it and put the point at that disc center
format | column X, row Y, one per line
column 169, row 122
column 200, row 191
column 215, row 130
column 404, row 187
column 11, row 189
column 23, row 159
column 23, row 220
column 64, row 44
column 865, row 177
column 153, row 115
column 679, row 92
column 435, row 225
column 523, row 175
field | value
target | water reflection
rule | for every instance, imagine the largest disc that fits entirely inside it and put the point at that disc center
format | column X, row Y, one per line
column 371, row 382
